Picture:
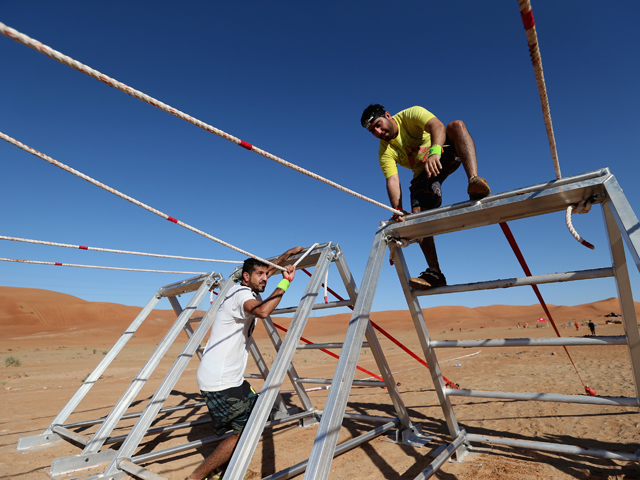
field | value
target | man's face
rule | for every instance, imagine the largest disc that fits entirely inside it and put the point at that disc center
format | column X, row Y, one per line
column 383, row 128
column 257, row 280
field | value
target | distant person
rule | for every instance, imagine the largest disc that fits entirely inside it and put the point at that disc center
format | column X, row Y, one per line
column 414, row 138
column 592, row 327
column 220, row 376
column 575, row 324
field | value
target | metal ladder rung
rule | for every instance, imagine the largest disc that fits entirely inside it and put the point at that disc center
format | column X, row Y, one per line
column 531, row 342
column 547, row 397
column 519, row 281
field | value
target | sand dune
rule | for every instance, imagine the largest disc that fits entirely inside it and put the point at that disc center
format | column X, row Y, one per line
column 59, row 339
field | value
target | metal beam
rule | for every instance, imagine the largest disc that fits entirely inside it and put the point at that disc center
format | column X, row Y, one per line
column 527, row 202
column 530, row 342
column 519, row 282
column 546, row 397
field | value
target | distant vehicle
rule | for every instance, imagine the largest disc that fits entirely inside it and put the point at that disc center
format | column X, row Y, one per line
column 612, row 315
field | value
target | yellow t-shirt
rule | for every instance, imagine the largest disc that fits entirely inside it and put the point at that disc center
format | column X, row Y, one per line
column 410, row 146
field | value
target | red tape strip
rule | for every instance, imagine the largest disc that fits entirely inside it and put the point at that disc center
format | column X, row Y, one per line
column 246, row 145
column 83, row 248
column 527, row 20
column 171, row 219
column 58, row 264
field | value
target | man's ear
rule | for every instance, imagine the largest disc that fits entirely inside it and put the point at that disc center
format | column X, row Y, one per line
column 246, row 277
column 387, row 115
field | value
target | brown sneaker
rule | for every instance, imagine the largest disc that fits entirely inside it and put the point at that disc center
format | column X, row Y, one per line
column 478, row 188
column 428, row 279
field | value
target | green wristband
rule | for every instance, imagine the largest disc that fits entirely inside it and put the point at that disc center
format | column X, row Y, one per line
column 284, row 284
column 435, row 150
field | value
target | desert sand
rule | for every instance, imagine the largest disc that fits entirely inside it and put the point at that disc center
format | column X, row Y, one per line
column 59, row 339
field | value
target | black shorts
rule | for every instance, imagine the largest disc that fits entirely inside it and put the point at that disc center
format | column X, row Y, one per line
column 426, row 192
column 230, row 408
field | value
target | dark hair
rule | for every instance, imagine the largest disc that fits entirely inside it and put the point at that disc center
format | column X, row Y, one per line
column 370, row 113
column 250, row 264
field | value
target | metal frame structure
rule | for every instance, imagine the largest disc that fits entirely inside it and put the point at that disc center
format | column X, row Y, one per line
column 598, row 187
column 270, row 409
column 621, row 224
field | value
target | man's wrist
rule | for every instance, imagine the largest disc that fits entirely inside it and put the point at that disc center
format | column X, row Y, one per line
column 435, row 150
column 284, row 284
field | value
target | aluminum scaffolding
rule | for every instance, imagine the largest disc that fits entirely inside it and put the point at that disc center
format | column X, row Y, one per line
column 599, row 187
column 269, row 410
column 621, row 224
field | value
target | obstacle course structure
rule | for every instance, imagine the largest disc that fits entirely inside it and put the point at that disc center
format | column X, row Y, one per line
column 269, row 410
column 599, row 187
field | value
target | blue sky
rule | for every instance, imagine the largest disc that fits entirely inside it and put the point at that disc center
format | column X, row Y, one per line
column 293, row 78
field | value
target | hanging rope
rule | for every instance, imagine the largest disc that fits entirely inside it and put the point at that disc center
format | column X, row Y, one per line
column 95, row 266
column 516, row 250
column 447, row 382
column 534, row 51
column 51, row 53
column 110, row 250
column 66, row 168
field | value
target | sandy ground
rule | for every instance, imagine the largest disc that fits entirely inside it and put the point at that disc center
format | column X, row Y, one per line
column 59, row 339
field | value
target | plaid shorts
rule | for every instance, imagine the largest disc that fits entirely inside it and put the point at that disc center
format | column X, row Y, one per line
column 426, row 192
column 230, row 408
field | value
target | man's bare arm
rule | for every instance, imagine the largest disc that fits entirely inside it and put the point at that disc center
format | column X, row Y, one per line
column 263, row 309
column 283, row 258
column 395, row 196
column 438, row 132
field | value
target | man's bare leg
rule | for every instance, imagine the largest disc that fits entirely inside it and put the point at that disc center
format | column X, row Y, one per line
column 466, row 148
column 218, row 457
column 428, row 246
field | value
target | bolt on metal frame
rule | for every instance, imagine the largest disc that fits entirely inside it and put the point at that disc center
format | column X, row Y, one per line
column 621, row 224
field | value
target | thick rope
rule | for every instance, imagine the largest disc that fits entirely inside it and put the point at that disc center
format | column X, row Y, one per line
column 534, row 51
column 110, row 250
column 95, row 266
column 61, row 165
column 51, row 53
column 525, row 268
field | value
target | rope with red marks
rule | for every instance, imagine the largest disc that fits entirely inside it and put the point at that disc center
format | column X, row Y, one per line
column 51, row 53
column 111, row 250
column 523, row 263
column 66, row 168
column 448, row 382
column 15, row 260
column 534, row 51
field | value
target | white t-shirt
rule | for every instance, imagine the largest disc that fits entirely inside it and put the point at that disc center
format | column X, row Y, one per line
column 225, row 356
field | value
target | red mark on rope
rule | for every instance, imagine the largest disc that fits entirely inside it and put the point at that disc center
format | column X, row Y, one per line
column 246, row 145
column 171, row 219
column 588, row 245
column 527, row 20
column 83, row 248
column 59, row 264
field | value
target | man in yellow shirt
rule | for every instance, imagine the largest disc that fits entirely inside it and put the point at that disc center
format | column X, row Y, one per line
column 414, row 138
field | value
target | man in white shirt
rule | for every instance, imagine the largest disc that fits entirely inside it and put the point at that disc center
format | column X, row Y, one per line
column 220, row 376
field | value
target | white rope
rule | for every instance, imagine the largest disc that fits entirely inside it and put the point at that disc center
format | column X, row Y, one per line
column 536, row 58
column 58, row 56
column 310, row 249
column 61, row 165
column 95, row 266
column 110, row 250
